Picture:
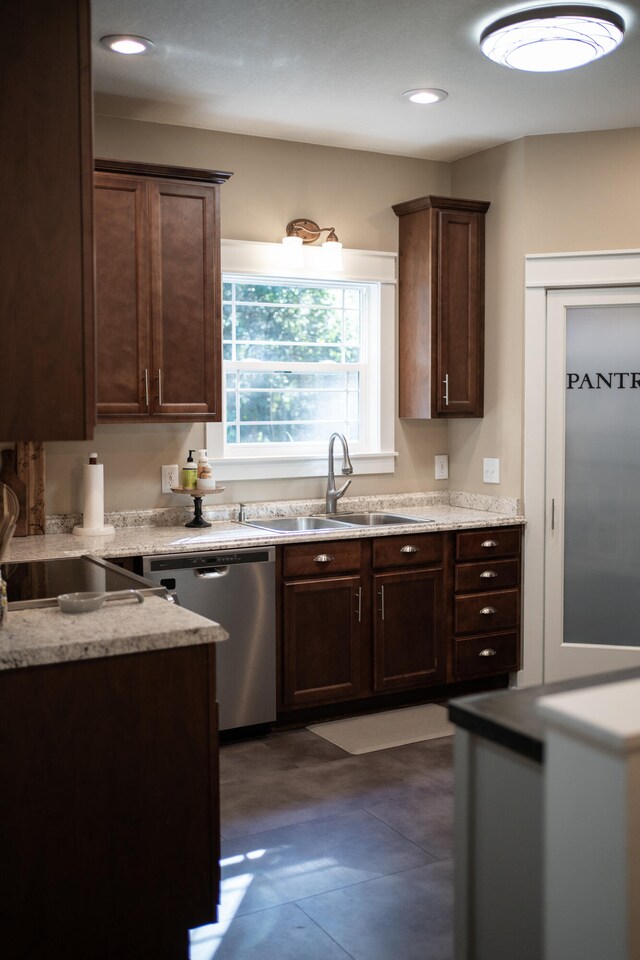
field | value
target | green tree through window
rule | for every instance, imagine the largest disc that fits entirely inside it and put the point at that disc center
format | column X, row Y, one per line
column 293, row 360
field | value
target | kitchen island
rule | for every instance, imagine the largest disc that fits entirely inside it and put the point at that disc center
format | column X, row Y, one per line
column 109, row 775
column 525, row 848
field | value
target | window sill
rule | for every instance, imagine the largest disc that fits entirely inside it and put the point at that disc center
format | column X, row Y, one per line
column 277, row 468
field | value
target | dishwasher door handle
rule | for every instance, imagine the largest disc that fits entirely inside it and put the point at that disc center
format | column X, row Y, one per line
column 213, row 574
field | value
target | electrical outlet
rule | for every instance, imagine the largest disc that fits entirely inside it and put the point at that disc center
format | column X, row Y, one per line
column 170, row 477
column 491, row 470
column 442, row 466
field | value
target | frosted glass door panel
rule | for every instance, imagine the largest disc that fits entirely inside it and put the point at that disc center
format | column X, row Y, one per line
column 602, row 476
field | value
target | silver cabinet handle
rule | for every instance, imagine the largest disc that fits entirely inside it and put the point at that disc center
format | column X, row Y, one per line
column 359, row 595
column 487, row 652
column 446, row 390
column 159, row 388
column 146, row 387
column 488, row 574
column 409, row 549
column 381, row 608
column 323, row 558
column 488, row 611
column 488, row 544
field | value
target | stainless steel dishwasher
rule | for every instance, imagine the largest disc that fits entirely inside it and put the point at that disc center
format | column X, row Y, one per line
column 236, row 588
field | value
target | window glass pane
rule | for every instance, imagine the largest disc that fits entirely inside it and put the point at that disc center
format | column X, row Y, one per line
column 291, row 324
column 288, row 432
column 288, row 352
column 352, row 298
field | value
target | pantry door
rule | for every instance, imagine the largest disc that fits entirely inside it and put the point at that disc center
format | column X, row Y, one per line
column 592, row 541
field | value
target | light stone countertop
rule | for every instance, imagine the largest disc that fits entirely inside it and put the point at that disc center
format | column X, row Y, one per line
column 229, row 534
column 45, row 635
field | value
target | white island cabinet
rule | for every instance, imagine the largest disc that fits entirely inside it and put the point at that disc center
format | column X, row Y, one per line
column 547, row 821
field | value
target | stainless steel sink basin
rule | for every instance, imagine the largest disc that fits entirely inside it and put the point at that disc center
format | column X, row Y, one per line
column 296, row 524
column 342, row 520
column 377, row 519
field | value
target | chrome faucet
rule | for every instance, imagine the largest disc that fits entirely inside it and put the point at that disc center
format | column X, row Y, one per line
column 334, row 495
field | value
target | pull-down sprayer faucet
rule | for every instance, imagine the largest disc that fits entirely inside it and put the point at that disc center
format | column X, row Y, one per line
column 334, row 495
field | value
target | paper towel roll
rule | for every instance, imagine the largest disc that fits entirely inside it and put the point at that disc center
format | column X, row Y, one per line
column 93, row 503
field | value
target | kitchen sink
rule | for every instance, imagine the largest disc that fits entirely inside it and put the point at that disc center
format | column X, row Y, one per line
column 342, row 520
column 378, row 519
column 296, row 524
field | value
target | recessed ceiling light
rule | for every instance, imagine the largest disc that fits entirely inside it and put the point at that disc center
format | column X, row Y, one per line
column 126, row 43
column 425, row 95
column 552, row 38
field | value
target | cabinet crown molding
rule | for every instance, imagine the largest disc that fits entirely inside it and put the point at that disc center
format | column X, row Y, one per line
column 134, row 168
column 440, row 203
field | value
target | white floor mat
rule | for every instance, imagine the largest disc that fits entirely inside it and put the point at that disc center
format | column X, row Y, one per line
column 378, row 731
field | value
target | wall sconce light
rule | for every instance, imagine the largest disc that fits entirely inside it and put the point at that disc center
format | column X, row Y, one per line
column 303, row 231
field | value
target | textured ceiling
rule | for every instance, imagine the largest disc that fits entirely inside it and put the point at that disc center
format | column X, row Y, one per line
column 333, row 71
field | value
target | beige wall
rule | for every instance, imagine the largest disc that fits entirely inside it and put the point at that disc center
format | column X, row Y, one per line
column 548, row 194
column 273, row 181
column 496, row 175
column 583, row 191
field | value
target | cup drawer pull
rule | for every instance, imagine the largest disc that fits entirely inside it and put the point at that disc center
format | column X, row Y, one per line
column 489, row 544
column 488, row 611
column 409, row 549
column 487, row 652
column 323, row 558
column 488, row 575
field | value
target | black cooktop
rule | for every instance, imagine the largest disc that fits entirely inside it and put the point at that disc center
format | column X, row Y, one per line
column 37, row 583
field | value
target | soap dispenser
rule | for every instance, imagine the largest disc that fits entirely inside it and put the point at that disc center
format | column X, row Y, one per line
column 189, row 473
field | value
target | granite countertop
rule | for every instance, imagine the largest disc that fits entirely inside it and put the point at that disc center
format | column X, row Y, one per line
column 510, row 717
column 45, row 635
column 152, row 540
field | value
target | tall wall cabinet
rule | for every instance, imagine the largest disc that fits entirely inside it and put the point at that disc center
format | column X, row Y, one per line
column 441, row 296
column 46, row 267
column 158, row 297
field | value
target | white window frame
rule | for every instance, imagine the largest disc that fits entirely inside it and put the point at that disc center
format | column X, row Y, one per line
column 249, row 258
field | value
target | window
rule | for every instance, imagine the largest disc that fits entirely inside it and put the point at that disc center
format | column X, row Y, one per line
column 304, row 355
column 296, row 363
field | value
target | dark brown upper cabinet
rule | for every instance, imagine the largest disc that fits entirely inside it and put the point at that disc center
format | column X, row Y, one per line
column 158, row 293
column 441, row 307
column 47, row 388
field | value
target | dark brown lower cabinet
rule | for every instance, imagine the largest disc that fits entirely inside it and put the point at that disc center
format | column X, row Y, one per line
column 408, row 629
column 364, row 619
column 321, row 640
column 109, row 806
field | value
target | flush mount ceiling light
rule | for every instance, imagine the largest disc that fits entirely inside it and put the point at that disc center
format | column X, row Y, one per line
column 126, row 43
column 425, row 95
column 552, row 38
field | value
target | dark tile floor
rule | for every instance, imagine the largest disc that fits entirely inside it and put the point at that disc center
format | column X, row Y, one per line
column 329, row 856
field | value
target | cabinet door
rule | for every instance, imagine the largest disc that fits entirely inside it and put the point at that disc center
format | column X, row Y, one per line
column 408, row 629
column 321, row 638
column 122, row 296
column 460, row 314
column 47, row 388
column 185, row 301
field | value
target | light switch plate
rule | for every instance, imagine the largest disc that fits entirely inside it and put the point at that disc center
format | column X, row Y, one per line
column 442, row 466
column 491, row 470
column 169, row 477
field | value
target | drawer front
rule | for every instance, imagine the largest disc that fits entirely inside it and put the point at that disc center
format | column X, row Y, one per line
column 486, row 612
column 478, row 544
column 485, row 656
column 489, row 575
column 408, row 550
column 329, row 556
